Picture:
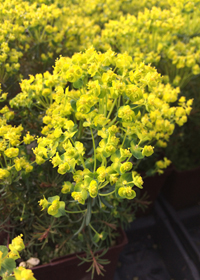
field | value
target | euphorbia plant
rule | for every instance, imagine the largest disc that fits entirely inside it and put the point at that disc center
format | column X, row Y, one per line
column 169, row 39
column 29, row 28
column 103, row 115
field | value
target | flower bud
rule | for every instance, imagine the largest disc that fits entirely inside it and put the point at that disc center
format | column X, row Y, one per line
column 44, row 203
column 53, row 209
column 93, row 188
column 66, row 187
column 147, row 151
column 126, row 166
column 12, row 152
column 17, row 244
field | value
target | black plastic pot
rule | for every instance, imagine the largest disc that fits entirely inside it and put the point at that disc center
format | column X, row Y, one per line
column 141, row 258
column 186, row 224
column 190, row 219
column 182, row 188
column 155, row 251
column 175, row 253
column 152, row 188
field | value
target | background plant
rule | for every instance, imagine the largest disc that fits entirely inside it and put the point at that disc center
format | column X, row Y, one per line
column 29, row 28
column 168, row 39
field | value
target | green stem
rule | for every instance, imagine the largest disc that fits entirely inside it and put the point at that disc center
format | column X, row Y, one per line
column 80, row 156
column 128, row 158
column 124, row 138
column 106, row 183
column 82, row 161
column 112, row 122
column 80, row 130
column 101, row 106
column 136, row 166
column 104, row 162
column 1, row 164
column 105, row 106
column 94, row 148
column 93, row 229
column 5, row 160
column 112, row 108
column 106, row 194
column 74, row 212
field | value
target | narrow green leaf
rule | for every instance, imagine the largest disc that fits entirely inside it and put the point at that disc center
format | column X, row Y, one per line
column 104, row 201
column 88, row 213
column 103, row 253
column 81, row 227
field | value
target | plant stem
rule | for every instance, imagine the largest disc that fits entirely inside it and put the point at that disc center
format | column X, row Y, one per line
column 74, row 212
column 124, row 139
column 94, row 148
column 93, row 228
column 106, row 183
column 112, row 108
column 106, row 194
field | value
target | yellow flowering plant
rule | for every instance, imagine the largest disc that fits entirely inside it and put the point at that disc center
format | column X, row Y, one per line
column 166, row 38
column 24, row 34
column 14, row 159
column 133, row 7
column 103, row 116
column 75, row 140
column 29, row 29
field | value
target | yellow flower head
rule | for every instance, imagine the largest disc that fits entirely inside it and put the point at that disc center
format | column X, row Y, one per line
column 17, row 244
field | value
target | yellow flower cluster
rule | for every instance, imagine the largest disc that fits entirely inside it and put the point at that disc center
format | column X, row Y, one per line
column 6, row 257
column 25, row 27
column 29, row 29
column 121, row 104
column 162, row 164
column 134, row 6
column 13, row 155
column 23, row 273
column 16, row 246
column 37, row 89
column 166, row 38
